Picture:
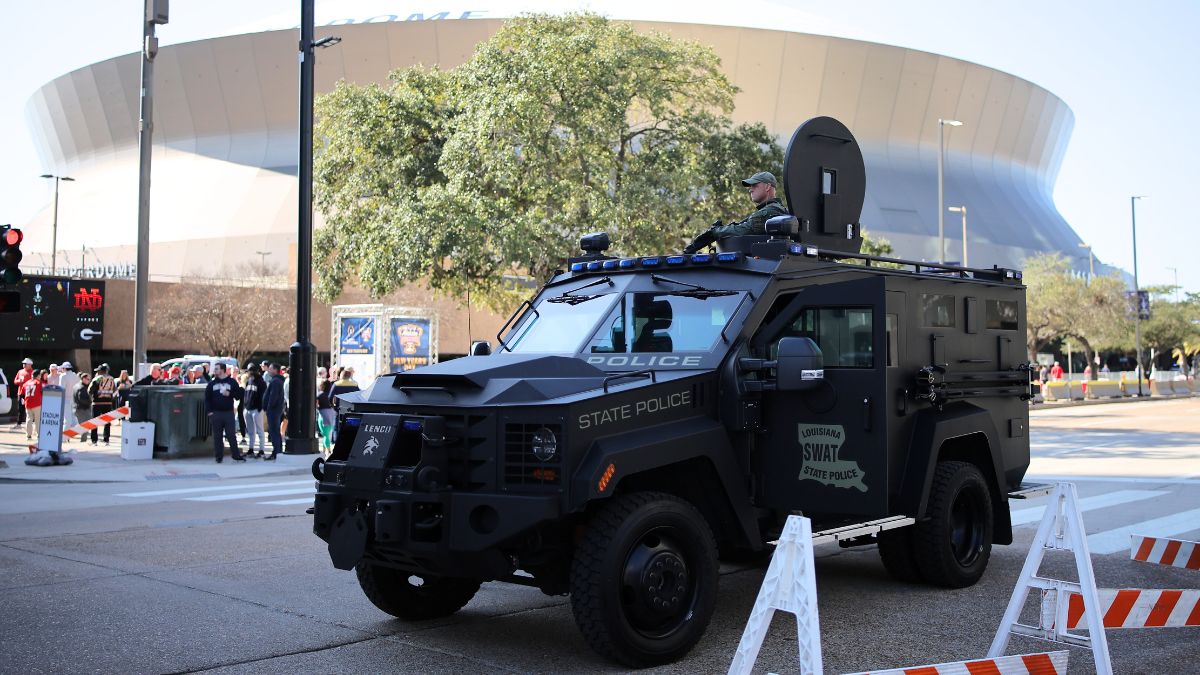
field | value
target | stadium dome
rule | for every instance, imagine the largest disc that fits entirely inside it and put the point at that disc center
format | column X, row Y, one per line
column 224, row 187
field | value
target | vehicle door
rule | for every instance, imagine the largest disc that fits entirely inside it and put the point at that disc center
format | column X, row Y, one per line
column 823, row 450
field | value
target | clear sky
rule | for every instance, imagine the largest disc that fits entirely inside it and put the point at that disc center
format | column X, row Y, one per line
column 1129, row 71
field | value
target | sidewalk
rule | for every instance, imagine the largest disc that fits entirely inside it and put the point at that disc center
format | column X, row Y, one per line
column 103, row 464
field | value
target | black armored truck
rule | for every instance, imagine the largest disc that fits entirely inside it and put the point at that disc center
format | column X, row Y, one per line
column 642, row 417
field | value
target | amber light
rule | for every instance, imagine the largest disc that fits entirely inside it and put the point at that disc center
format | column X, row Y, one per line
column 548, row 475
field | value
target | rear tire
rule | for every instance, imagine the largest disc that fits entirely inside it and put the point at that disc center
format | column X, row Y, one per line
column 896, row 550
column 644, row 579
column 954, row 541
column 413, row 597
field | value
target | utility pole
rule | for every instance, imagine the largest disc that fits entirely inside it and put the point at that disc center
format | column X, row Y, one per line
column 54, row 228
column 156, row 13
column 302, row 362
column 1137, row 293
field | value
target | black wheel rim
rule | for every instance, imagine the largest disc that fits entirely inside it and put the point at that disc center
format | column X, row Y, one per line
column 967, row 529
column 658, row 584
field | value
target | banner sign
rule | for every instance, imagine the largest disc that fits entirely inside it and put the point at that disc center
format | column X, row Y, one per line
column 357, row 335
column 50, row 434
column 410, row 342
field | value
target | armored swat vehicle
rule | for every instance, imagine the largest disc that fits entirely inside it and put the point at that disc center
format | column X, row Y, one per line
column 641, row 416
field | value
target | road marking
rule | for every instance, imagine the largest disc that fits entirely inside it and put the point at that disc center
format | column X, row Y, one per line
column 1118, row 539
column 1186, row 480
column 1093, row 446
column 250, row 495
column 290, row 502
column 1034, row 514
column 215, row 488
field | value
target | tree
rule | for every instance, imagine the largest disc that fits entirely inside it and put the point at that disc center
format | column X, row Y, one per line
column 556, row 127
column 210, row 313
column 1172, row 326
column 1060, row 304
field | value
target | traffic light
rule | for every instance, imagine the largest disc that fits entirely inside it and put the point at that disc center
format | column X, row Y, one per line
column 10, row 254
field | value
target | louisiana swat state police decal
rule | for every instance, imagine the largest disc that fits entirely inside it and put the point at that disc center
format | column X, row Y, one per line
column 820, row 445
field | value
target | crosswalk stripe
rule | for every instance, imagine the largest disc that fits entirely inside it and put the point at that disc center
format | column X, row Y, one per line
column 1185, row 480
column 1117, row 539
column 1034, row 514
column 251, row 495
column 215, row 488
column 289, row 502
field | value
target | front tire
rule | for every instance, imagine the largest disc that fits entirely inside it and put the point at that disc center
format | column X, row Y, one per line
column 414, row 597
column 644, row 579
column 897, row 552
column 954, row 541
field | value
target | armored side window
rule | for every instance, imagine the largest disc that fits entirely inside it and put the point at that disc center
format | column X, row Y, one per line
column 891, row 324
column 937, row 310
column 844, row 335
column 1001, row 314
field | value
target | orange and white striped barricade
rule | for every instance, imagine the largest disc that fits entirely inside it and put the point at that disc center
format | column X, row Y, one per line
column 1049, row 663
column 1137, row 608
column 1165, row 551
column 1061, row 529
column 97, row 422
column 790, row 585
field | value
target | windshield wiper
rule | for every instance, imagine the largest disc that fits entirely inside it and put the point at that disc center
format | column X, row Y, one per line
column 577, row 299
column 696, row 292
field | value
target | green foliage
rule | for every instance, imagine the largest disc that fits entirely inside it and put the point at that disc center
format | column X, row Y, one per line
column 1060, row 304
column 556, row 127
column 1172, row 326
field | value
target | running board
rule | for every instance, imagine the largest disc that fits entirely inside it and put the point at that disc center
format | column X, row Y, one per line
column 847, row 532
column 1028, row 490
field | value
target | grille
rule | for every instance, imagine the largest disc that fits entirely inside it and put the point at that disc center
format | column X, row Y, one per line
column 521, row 467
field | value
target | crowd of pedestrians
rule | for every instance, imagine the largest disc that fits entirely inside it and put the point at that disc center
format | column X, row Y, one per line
column 89, row 396
column 250, row 402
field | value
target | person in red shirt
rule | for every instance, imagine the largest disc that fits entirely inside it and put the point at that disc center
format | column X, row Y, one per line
column 31, row 395
column 1056, row 371
column 19, row 380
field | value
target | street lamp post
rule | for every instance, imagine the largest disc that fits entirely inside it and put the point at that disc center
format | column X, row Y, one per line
column 263, row 265
column 963, row 211
column 1091, row 261
column 941, row 189
column 54, row 227
column 1137, row 295
column 1175, row 270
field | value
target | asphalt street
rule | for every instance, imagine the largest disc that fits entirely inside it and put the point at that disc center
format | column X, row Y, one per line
column 217, row 571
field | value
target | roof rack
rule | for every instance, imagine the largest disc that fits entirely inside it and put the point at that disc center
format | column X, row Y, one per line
column 996, row 273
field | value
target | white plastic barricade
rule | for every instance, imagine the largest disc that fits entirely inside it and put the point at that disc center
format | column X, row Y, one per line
column 1062, row 530
column 137, row 440
column 1165, row 551
column 790, row 586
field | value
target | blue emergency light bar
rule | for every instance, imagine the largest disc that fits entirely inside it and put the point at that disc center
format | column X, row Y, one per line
column 412, row 425
column 650, row 262
column 731, row 256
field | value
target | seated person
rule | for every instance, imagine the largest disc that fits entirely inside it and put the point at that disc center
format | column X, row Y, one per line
column 761, row 187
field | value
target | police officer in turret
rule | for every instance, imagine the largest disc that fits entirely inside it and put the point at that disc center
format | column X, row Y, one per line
column 762, row 187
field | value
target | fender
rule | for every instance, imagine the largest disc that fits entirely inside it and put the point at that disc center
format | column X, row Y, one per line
column 933, row 428
column 614, row 458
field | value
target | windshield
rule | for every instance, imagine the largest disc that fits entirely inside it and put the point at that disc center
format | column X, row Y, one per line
column 664, row 322
column 559, row 327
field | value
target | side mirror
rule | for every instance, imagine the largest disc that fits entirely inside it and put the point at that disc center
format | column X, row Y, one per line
column 480, row 348
column 800, row 365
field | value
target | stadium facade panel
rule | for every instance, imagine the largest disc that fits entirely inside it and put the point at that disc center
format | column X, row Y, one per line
column 224, row 187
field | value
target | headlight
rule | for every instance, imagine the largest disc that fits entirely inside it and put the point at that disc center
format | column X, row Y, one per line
column 544, row 444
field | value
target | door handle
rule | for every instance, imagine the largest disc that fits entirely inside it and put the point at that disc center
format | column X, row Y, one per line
column 866, row 410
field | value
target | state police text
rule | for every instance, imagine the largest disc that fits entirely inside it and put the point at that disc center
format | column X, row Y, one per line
column 632, row 410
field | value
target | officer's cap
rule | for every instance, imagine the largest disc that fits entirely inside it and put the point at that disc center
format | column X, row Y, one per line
column 761, row 177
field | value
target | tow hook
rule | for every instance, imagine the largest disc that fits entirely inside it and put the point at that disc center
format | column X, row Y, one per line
column 318, row 468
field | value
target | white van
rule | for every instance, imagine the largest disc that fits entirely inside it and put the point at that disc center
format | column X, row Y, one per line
column 186, row 362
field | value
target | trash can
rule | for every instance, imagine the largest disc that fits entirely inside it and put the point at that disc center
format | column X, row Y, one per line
column 137, row 440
